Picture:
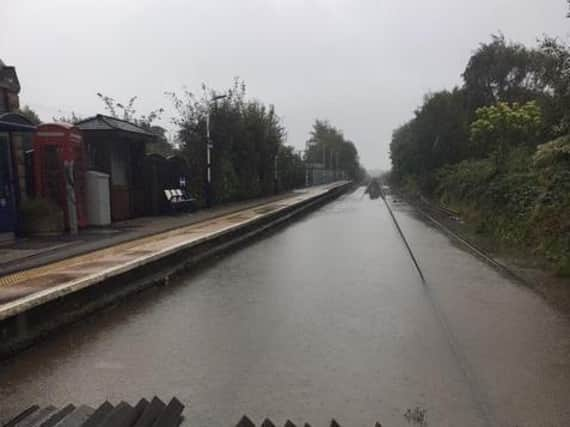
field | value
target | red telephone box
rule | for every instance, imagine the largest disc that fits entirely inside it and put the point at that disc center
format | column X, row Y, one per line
column 57, row 145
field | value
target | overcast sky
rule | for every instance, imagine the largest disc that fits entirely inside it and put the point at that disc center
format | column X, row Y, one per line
column 362, row 64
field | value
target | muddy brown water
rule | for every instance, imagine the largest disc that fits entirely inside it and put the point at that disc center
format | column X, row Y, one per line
column 325, row 318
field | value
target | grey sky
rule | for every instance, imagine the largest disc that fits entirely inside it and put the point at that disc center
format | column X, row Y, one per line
column 362, row 64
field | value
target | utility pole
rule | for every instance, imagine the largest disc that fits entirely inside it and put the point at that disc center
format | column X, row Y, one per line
column 70, row 192
column 209, row 147
column 306, row 164
column 309, row 167
column 304, row 167
column 275, row 175
column 336, row 167
column 330, row 170
column 323, row 172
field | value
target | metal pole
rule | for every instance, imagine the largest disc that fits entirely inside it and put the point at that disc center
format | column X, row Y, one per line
column 209, row 148
column 323, row 171
column 275, row 175
column 335, row 166
column 70, row 192
column 329, row 173
column 208, row 161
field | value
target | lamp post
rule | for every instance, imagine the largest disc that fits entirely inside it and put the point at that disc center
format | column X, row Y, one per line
column 324, row 170
column 275, row 173
column 209, row 146
column 331, row 167
column 304, row 167
column 336, row 167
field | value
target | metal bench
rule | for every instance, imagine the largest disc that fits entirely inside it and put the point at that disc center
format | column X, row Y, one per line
column 180, row 200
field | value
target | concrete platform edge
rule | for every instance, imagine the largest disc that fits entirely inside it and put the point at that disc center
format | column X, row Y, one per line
column 21, row 328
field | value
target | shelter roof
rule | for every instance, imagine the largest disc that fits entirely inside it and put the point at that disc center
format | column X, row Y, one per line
column 15, row 122
column 101, row 122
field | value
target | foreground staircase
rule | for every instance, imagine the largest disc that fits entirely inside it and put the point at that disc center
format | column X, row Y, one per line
column 144, row 414
column 155, row 413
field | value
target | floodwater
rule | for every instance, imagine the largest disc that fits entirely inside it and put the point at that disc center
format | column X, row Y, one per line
column 324, row 319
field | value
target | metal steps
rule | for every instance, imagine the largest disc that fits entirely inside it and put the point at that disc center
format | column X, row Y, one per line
column 144, row 414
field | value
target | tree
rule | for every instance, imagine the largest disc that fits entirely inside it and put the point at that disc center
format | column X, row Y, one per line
column 324, row 140
column 291, row 168
column 556, row 74
column 161, row 145
column 30, row 114
column 441, row 125
column 554, row 153
column 503, row 71
column 404, row 152
column 498, row 74
column 247, row 136
column 128, row 112
column 436, row 136
column 71, row 119
column 502, row 126
column 328, row 146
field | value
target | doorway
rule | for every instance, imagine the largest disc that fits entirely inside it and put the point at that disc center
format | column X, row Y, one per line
column 7, row 196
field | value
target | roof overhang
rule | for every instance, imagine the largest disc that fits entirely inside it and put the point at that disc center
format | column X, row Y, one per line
column 15, row 122
column 101, row 125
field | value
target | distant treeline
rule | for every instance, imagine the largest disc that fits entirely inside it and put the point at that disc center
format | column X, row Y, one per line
column 250, row 158
column 328, row 147
column 498, row 147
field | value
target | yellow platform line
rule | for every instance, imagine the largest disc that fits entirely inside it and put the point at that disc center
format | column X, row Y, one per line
column 33, row 273
column 122, row 248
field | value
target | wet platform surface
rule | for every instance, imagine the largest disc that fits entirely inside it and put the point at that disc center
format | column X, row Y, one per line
column 326, row 318
column 23, row 290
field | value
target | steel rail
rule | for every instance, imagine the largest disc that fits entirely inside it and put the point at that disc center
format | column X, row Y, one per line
column 479, row 396
column 401, row 233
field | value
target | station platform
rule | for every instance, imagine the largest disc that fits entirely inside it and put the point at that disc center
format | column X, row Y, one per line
column 30, row 252
column 23, row 290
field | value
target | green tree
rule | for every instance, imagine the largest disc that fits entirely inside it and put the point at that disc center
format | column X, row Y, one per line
column 128, row 112
column 324, row 142
column 291, row 168
column 30, row 114
column 554, row 154
column 404, row 152
column 247, row 136
column 556, row 75
column 328, row 146
column 502, row 71
column 481, row 149
column 436, row 136
column 72, row 118
column 161, row 145
column 500, row 127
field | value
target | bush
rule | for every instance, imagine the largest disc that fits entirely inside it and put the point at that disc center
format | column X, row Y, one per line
column 524, row 205
column 464, row 181
column 40, row 216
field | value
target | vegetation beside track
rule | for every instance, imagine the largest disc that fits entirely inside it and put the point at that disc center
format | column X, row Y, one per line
column 497, row 149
